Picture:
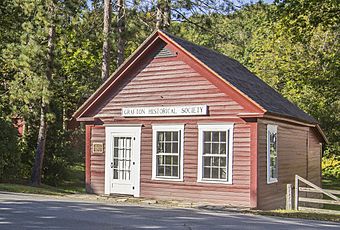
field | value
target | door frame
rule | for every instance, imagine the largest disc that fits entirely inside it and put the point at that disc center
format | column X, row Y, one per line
column 121, row 129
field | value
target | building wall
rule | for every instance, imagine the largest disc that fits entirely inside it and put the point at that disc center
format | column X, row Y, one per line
column 190, row 189
column 172, row 81
column 314, row 158
column 97, row 161
column 236, row 194
column 177, row 81
column 169, row 81
column 298, row 153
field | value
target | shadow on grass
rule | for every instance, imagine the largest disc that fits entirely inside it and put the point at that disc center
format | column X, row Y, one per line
column 74, row 184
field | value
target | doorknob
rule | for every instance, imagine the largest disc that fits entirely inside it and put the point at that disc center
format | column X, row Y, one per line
column 111, row 165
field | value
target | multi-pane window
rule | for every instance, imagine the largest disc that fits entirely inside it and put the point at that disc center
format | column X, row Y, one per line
column 167, row 154
column 215, row 153
column 167, row 151
column 272, row 165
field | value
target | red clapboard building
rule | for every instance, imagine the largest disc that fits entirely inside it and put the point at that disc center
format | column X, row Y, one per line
column 180, row 121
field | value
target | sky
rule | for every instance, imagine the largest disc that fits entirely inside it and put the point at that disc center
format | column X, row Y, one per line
column 266, row 1
column 244, row 1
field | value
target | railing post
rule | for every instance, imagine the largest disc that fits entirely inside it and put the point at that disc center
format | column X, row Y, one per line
column 289, row 197
column 296, row 205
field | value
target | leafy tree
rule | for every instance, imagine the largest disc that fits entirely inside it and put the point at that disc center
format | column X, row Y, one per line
column 31, row 88
column 293, row 45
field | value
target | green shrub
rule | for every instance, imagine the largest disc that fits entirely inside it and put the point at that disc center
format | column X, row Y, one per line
column 64, row 149
column 331, row 167
column 9, row 154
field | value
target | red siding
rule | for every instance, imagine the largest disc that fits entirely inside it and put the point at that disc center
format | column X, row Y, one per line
column 88, row 158
column 294, row 157
column 314, row 158
column 97, row 169
column 181, row 81
column 171, row 81
column 253, row 165
column 190, row 189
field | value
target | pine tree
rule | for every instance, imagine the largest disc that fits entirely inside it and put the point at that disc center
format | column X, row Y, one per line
column 163, row 14
column 120, row 31
column 106, row 39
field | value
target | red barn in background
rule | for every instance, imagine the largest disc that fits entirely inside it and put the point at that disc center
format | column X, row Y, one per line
column 19, row 123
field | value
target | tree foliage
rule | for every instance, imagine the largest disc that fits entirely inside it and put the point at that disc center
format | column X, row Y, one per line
column 9, row 155
column 293, row 45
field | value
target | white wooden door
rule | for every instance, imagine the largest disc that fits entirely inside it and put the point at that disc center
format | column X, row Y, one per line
column 122, row 160
column 121, row 164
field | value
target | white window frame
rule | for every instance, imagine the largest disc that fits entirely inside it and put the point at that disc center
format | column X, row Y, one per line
column 215, row 127
column 170, row 128
column 273, row 129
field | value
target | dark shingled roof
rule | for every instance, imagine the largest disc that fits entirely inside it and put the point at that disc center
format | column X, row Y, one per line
column 241, row 78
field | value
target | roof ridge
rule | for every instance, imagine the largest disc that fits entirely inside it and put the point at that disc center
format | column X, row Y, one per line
column 201, row 46
column 267, row 92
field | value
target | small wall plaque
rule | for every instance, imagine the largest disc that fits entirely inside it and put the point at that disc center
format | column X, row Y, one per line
column 98, row 147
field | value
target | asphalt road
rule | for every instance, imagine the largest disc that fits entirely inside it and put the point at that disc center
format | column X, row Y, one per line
column 23, row 211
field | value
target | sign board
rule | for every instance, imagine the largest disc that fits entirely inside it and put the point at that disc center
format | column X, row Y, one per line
column 165, row 111
column 98, row 147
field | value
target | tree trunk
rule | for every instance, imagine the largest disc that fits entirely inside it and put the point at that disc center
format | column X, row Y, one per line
column 40, row 151
column 166, row 14
column 120, row 31
column 106, row 39
column 159, row 15
column 41, row 142
column 163, row 14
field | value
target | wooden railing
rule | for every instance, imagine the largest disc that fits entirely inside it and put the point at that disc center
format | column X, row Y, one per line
column 333, row 199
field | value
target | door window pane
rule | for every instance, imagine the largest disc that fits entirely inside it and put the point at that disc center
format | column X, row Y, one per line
column 122, row 158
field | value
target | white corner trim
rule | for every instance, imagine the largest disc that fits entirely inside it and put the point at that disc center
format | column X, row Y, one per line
column 215, row 127
column 167, row 127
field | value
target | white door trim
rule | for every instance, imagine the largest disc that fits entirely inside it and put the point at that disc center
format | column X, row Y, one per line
column 135, row 176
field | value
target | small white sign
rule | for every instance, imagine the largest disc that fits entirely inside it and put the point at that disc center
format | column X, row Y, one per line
column 165, row 111
column 98, row 147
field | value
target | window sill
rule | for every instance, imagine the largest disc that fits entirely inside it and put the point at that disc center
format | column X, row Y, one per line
column 167, row 179
column 272, row 181
column 214, row 182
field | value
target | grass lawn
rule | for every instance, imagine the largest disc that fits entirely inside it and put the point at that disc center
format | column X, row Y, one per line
column 75, row 184
column 334, row 185
column 43, row 189
column 327, row 184
column 331, row 184
column 76, row 181
column 299, row 214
